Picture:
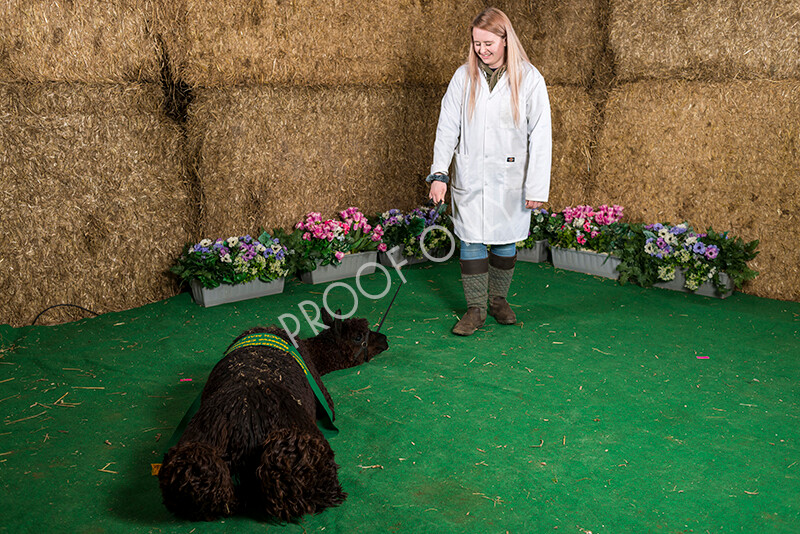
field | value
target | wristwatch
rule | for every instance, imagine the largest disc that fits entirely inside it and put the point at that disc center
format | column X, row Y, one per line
column 437, row 177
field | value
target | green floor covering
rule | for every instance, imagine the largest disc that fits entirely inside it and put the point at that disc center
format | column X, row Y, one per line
column 593, row 414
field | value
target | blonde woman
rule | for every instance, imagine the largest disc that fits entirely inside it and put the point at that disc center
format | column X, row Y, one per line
column 495, row 120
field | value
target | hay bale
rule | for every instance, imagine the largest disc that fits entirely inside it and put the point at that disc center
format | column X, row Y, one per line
column 91, row 41
column 93, row 200
column 563, row 38
column 267, row 155
column 716, row 40
column 311, row 42
column 299, row 42
column 573, row 116
column 724, row 155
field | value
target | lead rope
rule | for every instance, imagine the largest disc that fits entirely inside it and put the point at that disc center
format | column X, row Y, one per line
column 365, row 343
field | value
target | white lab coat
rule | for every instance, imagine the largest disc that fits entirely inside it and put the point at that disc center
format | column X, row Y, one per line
column 498, row 165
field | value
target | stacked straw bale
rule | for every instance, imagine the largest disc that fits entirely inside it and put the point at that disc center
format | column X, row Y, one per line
column 562, row 38
column 573, row 116
column 332, row 42
column 706, row 40
column 257, row 147
column 724, row 155
column 267, row 155
column 90, row 41
column 92, row 199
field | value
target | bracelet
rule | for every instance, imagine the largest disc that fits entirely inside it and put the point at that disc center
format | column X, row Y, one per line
column 438, row 178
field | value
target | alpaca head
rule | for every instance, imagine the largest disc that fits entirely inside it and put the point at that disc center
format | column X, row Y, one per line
column 350, row 341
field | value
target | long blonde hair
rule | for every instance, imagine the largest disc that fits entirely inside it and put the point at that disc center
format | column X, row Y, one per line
column 493, row 20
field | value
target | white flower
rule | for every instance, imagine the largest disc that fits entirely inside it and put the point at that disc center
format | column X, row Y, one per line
column 691, row 240
column 664, row 232
column 226, row 258
column 666, row 273
column 577, row 223
column 205, row 243
column 233, row 241
column 275, row 248
column 260, row 248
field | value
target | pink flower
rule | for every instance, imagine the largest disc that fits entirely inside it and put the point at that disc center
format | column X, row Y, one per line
column 307, row 236
column 339, row 255
column 382, row 247
column 581, row 239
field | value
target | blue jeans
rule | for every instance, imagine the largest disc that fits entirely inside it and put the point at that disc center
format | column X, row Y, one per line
column 478, row 251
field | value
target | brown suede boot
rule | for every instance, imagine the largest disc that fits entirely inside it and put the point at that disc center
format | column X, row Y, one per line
column 475, row 278
column 501, row 271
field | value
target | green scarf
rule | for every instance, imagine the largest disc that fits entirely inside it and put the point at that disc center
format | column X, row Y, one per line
column 492, row 76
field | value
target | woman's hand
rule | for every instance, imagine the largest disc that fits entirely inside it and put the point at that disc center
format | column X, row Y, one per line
column 532, row 204
column 438, row 189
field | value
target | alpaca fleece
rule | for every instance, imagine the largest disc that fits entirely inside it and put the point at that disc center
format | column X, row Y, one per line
column 254, row 446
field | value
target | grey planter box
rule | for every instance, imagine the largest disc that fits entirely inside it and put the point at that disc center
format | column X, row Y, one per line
column 584, row 261
column 397, row 254
column 234, row 293
column 536, row 254
column 707, row 289
column 348, row 268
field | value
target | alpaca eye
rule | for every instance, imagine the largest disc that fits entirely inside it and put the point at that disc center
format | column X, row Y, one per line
column 359, row 338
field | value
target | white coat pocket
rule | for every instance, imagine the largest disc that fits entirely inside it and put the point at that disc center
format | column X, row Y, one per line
column 467, row 205
column 514, row 173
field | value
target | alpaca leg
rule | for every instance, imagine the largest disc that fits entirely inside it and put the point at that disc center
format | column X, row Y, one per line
column 297, row 474
column 196, row 482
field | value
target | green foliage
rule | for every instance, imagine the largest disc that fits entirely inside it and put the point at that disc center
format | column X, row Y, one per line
column 587, row 228
column 236, row 260
column 405, row 230
column 325, row 242
column 544, row 226
column 652, row 253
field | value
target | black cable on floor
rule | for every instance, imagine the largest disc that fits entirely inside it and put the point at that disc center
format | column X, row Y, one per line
column 57, row 305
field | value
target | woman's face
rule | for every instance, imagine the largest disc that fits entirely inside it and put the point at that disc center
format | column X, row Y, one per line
column 491, row 48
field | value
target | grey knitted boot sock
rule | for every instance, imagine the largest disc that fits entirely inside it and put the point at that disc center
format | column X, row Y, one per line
column 501, row 272
column 475, row 279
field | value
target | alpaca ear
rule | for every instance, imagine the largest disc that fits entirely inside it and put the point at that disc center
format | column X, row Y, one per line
column 337, row 323
column 327, row 320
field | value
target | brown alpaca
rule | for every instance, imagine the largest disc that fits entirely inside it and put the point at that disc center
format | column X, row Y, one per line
column 253, row 446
